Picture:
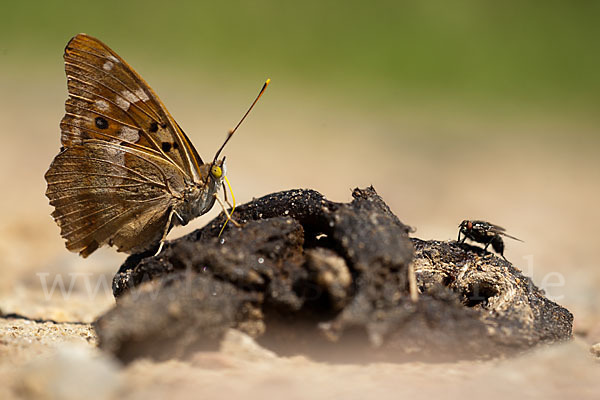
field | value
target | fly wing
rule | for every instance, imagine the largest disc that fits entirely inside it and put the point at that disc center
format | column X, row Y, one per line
column 496, row 228
column 509, row 236
column 501, row 231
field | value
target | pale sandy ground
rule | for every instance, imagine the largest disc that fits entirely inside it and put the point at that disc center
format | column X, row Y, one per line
column 536, row 175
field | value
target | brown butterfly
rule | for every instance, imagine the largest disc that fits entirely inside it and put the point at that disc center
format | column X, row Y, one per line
column 126, row 172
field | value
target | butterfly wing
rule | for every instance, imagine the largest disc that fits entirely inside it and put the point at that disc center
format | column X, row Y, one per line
column 109, row 101
column 107, row 194
column 124, row 161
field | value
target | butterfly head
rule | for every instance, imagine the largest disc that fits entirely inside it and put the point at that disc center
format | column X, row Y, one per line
column 200, row 197
column 218, row 170
column 214, row 174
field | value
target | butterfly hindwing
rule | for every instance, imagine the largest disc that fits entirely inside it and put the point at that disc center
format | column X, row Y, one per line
column 107, row 194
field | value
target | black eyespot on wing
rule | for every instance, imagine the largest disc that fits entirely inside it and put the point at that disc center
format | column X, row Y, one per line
column 153, row 127
column 101, row 123
column 175, row 145
column 166, row 146
column 164, row 126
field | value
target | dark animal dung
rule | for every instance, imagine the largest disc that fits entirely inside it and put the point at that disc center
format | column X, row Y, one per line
column 304, row 275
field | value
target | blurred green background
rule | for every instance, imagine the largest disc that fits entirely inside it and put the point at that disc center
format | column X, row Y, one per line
column 511, row 54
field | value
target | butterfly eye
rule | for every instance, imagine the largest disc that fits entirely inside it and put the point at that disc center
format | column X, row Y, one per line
column 216, row 171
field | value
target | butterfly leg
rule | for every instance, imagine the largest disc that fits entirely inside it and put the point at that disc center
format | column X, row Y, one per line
column 225, row 196
column 227, row 212
column 181, row 221
column 164, row 236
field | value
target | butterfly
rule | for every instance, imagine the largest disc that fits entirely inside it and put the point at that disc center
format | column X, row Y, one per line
column 126, row 172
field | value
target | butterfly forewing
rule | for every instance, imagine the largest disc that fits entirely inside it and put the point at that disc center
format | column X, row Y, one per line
column 109, row 101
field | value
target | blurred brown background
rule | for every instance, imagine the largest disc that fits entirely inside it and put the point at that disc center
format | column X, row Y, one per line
column 452, row 110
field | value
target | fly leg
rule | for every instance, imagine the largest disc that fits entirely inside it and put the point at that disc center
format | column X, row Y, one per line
column 486, row 247
column 498, row 245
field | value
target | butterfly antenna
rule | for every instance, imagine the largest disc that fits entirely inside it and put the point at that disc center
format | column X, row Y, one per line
column 232, row 131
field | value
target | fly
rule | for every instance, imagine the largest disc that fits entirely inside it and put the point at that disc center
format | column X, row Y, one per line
column 485, row 233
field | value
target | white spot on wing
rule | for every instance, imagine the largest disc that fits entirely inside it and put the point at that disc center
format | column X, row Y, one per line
column 142, row 95
column 102, row 105
column 108, row 66
column 122, row 103
column 129, row 96
column 72, row 137
column 129, row 134
column 113, row 58
column 115, row 155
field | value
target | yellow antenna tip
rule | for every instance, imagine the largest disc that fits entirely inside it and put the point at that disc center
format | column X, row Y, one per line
column 268, row 81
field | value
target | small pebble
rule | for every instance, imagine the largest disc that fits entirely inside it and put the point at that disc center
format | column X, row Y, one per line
column 595, row 350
